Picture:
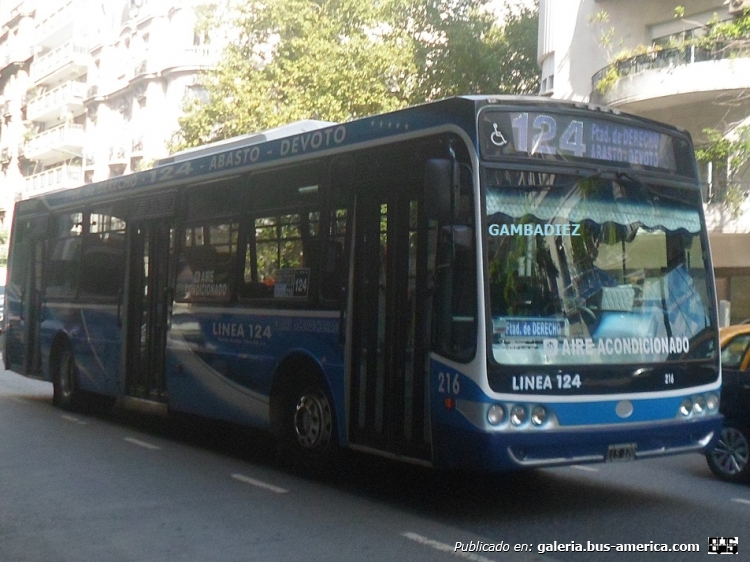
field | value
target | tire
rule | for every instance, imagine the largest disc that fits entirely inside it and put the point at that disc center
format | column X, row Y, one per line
column 66, row 391
column 729, row 459
column 308, row 432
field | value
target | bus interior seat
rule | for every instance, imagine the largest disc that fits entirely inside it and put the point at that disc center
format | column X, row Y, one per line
column 617, row 299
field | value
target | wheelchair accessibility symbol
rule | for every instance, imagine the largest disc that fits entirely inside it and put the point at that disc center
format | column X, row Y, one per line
column 497, row 137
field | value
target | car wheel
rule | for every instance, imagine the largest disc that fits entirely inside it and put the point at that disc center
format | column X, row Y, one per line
column 729, row 458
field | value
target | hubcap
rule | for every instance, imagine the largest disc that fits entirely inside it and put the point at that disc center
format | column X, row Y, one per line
column 731, row 453
column 312, row 420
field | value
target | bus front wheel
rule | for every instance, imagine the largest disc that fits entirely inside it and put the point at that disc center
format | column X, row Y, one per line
column 308, row 432
column 66, row 393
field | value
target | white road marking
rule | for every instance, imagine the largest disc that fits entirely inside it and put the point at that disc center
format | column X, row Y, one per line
column 259, row 483
column 741, row 500
column 443, row 547
column 73, row 419
column 585, row 468
column 141, row 443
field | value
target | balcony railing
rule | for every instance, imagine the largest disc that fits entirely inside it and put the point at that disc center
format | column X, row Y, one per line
column 18, row 53
column 61, row 177
column 667, row 58
column 70, row 93
column 140, row 68
column 62, row 138
column 57, row 58
column 191, row 56
column 51, row 21
column 117, row 155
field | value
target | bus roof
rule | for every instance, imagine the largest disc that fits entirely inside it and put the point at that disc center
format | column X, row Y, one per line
column 245, row 140
column 297, row 141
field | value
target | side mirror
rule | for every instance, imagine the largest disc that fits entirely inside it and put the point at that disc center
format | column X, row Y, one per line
column 441, row 181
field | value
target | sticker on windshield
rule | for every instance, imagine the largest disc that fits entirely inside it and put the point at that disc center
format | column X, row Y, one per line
column 615, row 346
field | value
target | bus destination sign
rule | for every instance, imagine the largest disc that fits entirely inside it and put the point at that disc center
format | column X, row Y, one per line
column 563, row 136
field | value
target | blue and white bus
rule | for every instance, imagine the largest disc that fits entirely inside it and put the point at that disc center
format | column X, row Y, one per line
column 484, row 282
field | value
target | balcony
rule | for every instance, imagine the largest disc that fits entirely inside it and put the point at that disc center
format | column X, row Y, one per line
column 66, row 61
column 140, row 68
column 57, row 25
column 16, row 54
column 117, row 156
column 193, row 57
column 55, row 144
column 61, row 177
column 67, row 98
column 685, row 85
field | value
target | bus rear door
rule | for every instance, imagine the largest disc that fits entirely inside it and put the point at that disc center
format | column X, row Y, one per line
column 24, row 296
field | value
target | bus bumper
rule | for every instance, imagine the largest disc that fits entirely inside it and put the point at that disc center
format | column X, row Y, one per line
column 470, row 448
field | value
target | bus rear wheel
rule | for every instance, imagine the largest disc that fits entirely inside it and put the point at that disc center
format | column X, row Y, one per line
column 66, row 391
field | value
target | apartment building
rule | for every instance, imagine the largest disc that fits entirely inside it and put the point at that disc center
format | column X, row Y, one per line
column 636, row 56
column 91, row 89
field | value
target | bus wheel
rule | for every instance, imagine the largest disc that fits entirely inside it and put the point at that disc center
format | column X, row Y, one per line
column 66, row 393
column 729, row 459
column 309, row 424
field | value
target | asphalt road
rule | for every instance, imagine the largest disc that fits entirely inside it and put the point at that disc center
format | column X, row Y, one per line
column 124, row 487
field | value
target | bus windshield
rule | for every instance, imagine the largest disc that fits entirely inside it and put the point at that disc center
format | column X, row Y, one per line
column 592, row 270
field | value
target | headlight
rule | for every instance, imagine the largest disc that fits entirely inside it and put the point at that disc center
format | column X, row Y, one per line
column 495, row 414
column 699, row 405
column 686, row 407
column 517, row 415
column 538, row 415
column 712, row 402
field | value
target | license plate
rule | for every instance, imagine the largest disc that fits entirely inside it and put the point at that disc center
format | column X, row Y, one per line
column 621, row 453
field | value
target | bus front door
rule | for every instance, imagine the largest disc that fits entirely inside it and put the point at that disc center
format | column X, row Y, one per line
column 387, row 355
column 149, row 300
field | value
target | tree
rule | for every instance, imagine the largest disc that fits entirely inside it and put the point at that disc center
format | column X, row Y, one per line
column 338, row 60
column 728, row 153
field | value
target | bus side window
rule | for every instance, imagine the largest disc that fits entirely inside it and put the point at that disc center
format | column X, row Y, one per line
column 278, row 244
column 65, row 256
column 456, row 293
column 334, row 266
column 456, row 285
column 103, row 258
column 206, row 263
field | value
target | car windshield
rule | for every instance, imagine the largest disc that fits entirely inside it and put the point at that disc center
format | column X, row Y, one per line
column 594, row 270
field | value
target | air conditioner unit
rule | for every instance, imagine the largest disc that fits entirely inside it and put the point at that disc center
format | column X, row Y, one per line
column 737, row 7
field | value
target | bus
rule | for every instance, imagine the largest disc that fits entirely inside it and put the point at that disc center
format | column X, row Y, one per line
column 482, row 282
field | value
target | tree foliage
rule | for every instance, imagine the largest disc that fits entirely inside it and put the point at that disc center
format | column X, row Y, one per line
column 728, row 154
column 341, row 59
